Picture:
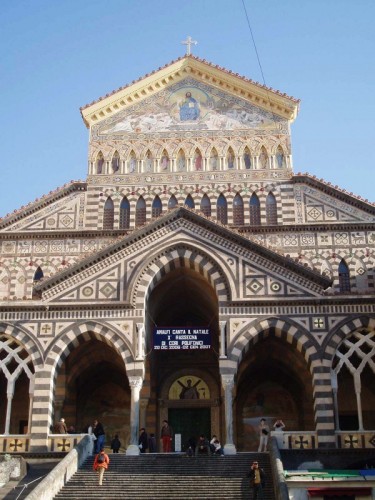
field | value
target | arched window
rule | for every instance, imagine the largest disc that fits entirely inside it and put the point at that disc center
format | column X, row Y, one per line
column 238, row 215
column 206, row 205
column 247, row 158
column 254, row 210
column 344, row 277
column 115, row 162
column 100, row 163
column 271, row 210
column 140, row 212
column 189, row 201
column 172, row 203
column 221, row 209
column 156, row 207
column 109, row 214
column 263, row 158
column 38, row 275
column 125, row 214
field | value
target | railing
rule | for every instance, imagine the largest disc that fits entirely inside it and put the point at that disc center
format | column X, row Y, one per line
column 64, row 470
column 20, row 443
column 355, row 439
column 296, row 440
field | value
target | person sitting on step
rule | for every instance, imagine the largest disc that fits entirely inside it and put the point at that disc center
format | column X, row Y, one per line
column 203, row 446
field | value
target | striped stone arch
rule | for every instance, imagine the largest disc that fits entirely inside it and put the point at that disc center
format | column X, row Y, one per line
column 182, row 256
column 342, row 330
column 78, row 334
column 279, row 328
column 23, row 338
column 300, row 339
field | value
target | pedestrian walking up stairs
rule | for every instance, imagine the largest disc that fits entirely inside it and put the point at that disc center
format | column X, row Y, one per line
column 169, row 476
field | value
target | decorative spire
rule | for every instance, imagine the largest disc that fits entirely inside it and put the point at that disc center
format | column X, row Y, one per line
column 189, row 42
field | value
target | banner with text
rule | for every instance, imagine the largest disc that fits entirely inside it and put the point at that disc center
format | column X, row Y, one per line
column 182, row 338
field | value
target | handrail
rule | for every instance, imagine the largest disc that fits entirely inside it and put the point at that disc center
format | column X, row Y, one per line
column 280, row 485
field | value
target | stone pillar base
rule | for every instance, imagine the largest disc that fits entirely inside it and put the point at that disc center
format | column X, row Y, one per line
column 132, row 450
column 230, row 449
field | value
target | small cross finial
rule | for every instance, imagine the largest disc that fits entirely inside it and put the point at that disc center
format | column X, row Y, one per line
column 189, row 42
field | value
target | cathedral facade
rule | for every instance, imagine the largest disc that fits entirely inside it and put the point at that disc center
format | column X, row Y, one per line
column 193, row 277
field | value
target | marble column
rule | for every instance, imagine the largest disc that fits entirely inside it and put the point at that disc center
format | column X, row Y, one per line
column 223, row 353
column 10, row 394
column 357, row 387
column 228, row 384
column 334, row 385
column 140, row 341
column 135, row 387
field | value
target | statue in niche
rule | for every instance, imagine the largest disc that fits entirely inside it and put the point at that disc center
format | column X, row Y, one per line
column 164, row 162
column 148, row 162
column 181, row 162
column 247, row 160
column 189, row 108
column 230, row 160
column 214, row 161
column 189, row 391
column 280, row 158
column 198, row 161
column 132, row 164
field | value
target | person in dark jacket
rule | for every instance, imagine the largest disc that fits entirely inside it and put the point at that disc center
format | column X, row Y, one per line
column 257, row 481
column 143, row 440
column 99, row 433
column 115, row 444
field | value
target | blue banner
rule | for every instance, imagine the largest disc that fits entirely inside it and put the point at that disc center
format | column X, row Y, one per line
column 178, row 338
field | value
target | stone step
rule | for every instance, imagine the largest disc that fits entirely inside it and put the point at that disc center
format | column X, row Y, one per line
column 168, row 476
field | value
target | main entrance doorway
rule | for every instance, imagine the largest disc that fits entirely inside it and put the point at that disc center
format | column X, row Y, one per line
column 190, row 423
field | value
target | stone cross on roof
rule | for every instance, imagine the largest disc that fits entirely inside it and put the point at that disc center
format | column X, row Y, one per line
column 189, row 42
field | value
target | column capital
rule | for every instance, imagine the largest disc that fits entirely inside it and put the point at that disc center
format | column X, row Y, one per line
column 135, row 382
column 227, row 380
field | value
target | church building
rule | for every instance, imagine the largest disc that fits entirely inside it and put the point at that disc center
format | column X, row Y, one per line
column 192, row 277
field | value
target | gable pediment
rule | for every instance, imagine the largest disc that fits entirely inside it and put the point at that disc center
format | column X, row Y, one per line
column 199, row 71
column 189, row 105
column 253, row 272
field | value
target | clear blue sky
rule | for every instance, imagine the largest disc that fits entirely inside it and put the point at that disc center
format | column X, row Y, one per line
column 58, row 55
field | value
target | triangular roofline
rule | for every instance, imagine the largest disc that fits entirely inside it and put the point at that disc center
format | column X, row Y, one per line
column 190, row 215
column 260, row 95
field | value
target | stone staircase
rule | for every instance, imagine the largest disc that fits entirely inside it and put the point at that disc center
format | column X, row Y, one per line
column 169, row 476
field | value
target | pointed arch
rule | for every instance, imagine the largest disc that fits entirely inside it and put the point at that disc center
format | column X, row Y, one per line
column 124, row 213
column 157, row 207
column 271, row 210
column 100, row 163
column 172, row 203
column 140, row 212
column 254, row 205
column 38, row 275
column 189, row 202
column 181, row 256
column 238, row 210
column 206, row 205
column 222, row 209
column 344, row 277
column 108, row 214
column 115, row 163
